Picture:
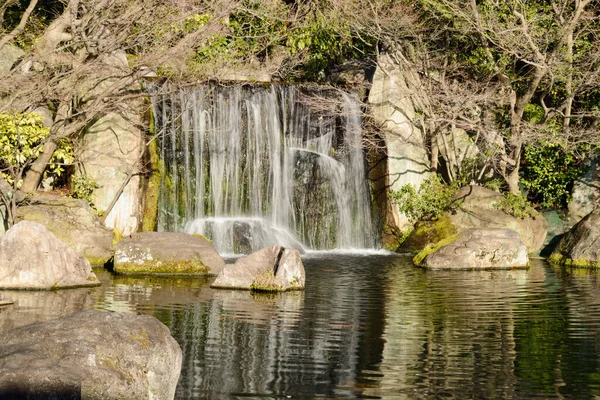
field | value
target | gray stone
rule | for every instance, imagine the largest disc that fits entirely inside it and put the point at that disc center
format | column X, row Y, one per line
column 74, row 222
column 167, row 253
column 31, row 257
column 556, row 229
column 477, row 211
column 8, row 56
column 110, row 150
column 585, row 193
column 394, row 101
column 90, row 355
column 4, row 301
column 579, row 247
column 480, row 249
column 273, row 269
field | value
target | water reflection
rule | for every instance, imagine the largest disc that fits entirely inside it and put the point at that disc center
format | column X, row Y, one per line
column 366, row 327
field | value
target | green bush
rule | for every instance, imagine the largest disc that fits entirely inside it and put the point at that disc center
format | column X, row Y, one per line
column 82, row 187
column 548, row 173
column 515, row 205
column 428, row 202
column 22, row 136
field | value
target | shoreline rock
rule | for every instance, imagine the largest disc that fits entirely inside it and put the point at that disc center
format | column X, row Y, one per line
column 272, row 269
column 32, row 258
column 167, row 253
column 578, row 247
column 92, row 355
column 474, row 249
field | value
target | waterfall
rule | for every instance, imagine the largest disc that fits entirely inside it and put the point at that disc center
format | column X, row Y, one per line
column 250, row 167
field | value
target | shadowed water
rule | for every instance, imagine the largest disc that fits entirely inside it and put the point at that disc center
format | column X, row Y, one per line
column 369, row 326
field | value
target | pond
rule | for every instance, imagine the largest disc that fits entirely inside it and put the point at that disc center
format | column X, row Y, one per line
column 367, row 326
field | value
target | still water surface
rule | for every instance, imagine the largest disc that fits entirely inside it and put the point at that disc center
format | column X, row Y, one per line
column 370, row 326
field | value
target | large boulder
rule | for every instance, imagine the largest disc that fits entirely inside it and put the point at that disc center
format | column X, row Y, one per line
column 586, row 192
column 90, row 355
column 491, row 248
column 272, row 269
column 477, row 209
column 74, row 222
column 31, row 257
column 167, row 253
column 579, row 247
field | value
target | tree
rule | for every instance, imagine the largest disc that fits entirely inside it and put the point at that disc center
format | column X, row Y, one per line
column 86, row 57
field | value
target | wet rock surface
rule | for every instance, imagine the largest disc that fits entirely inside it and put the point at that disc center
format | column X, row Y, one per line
column 90, row 355
column 31, row 257
column 272, row 269
column 480, row 249
column 167, row 253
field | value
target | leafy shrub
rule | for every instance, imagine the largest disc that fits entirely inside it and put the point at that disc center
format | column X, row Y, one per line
column 82, row 187
column 515, row 205
column 548, row 172
column 432, row 199
column 21, row 139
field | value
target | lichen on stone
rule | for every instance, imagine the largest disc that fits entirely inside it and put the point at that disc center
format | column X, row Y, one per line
column 432, row 248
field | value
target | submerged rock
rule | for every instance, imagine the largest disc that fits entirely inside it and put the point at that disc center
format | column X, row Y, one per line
column 272, row 269
column 579, row 247
column 31, row 257
column 90, row 355
column 74, row 222
column 477, row 249
column 167, row 253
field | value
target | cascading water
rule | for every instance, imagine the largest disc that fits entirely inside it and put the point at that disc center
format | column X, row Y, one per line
column 255, row 166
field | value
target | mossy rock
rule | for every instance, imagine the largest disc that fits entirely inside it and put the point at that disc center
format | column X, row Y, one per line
column 432, row 248
column 155, row 267
column 427, row 233
column 578, row 247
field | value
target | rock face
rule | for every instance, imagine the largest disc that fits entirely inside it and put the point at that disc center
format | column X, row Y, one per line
column 31, row 257
column 586, row 192
column 111, row 148
column 4, row 301
column 272, row 269
column 167, row 253
column 480, row 249
column 90, row 355
column 579, row 247
column 74, row 222
column 9, row 55
column 477, row 211
column 394, row 104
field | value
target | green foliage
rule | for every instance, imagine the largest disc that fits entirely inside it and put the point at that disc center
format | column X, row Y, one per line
column 515, row 205
column 549, row 171
column 82, row 187
column 21, row 139
column 431, row 200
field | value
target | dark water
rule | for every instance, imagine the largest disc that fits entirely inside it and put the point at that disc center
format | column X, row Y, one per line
column 366, row 327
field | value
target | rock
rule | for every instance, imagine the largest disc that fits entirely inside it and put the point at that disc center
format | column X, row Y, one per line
column 110, row 150
column 31, row 257
column 90, row 355
column 272, row 269
column 4, row 301
column 479, row 249
column 579, row 247
column 556, row 229
column 586, row 192
column 9, row 55
column 167, row 253
column 74, row 222
column 477, row 211
column 394, row 103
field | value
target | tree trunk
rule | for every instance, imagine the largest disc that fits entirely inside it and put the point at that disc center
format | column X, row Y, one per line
column 512, row 180
column 36, row 171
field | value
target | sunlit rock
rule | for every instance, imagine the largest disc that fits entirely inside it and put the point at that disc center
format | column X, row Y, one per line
column 477, row 249
column 31, row 257
column 272, row 269
column 90, row 355
column 167, row 253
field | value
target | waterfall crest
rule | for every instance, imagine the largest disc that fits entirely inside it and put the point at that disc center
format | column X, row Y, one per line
column 253, row 166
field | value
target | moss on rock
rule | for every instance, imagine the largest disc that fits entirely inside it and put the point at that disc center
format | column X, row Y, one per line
column 265, row 282
column 432, row 248
column 189, row 267
column 427, row 232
